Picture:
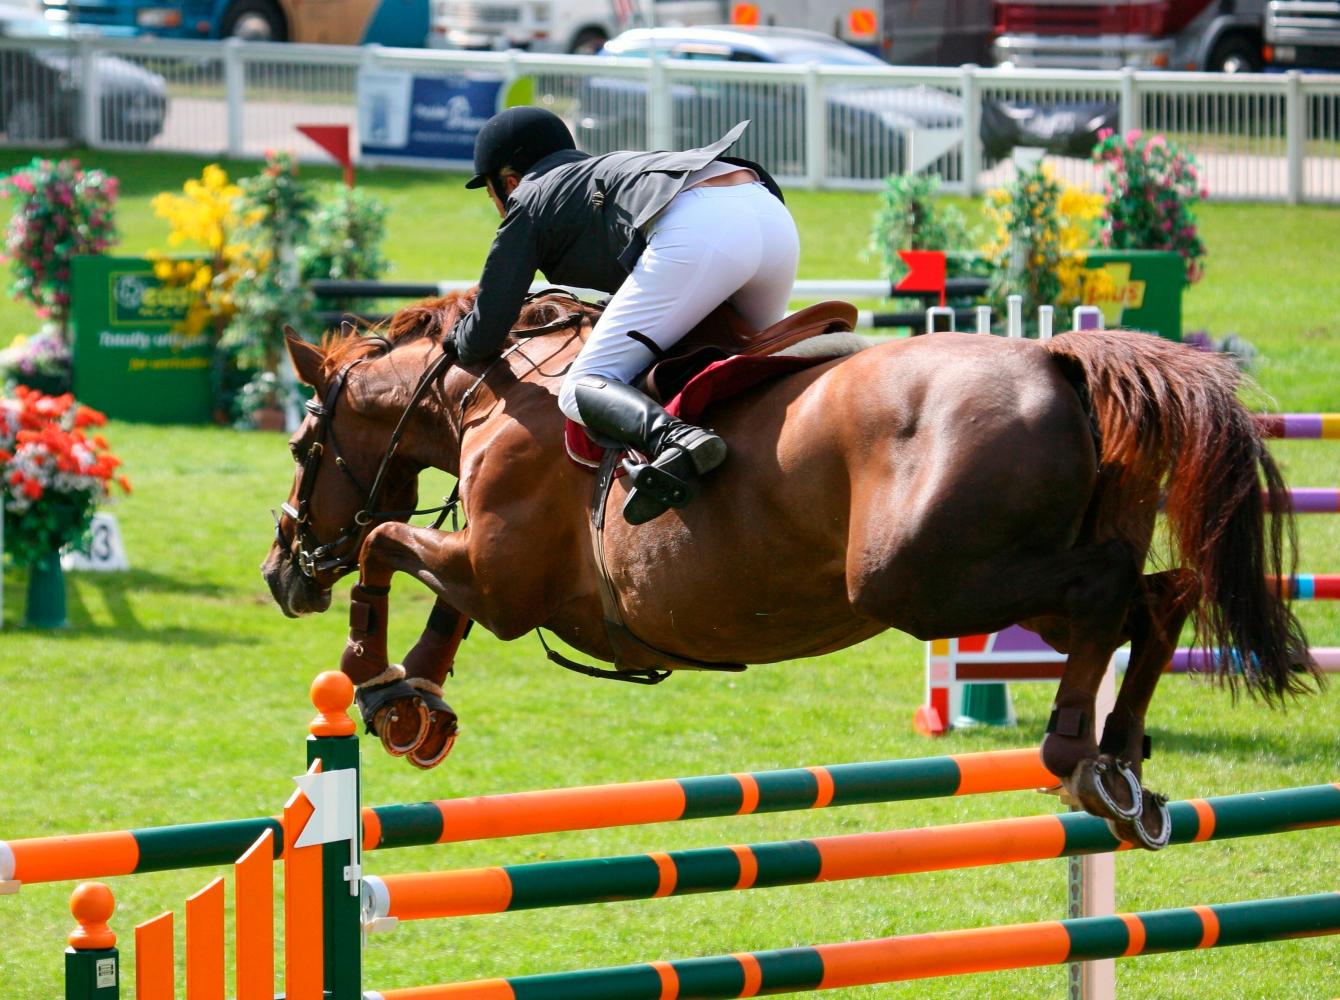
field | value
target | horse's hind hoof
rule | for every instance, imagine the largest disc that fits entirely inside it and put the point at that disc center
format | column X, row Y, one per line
column 1106, row 788
column 1152, row 830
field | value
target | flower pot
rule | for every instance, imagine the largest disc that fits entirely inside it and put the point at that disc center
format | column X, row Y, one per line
column 268, row 418
column 46, row 594
column 49, row 385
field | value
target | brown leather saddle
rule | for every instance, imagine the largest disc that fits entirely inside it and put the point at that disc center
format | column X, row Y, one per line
column 724, row 333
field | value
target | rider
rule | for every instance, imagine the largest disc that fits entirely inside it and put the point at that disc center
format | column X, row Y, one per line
column 671, row 234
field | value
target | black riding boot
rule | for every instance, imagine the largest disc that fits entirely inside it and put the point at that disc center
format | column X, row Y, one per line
column 679, row 451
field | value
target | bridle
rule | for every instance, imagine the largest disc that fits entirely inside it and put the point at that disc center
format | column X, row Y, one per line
column 314, row 556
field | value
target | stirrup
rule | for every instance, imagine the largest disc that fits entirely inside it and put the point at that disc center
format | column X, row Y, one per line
column 655, row 489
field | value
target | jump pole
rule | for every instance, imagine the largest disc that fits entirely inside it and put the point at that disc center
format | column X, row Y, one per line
column 920, row 956
column 391, row 899
column 518, row 814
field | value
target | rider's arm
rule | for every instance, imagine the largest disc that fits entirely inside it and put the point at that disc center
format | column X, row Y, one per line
column 508, row 272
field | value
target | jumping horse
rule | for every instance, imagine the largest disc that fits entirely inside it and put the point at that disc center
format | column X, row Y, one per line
column 942, row 485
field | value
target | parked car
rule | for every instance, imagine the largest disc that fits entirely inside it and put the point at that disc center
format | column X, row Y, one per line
column 873, row 130
column 40, row 81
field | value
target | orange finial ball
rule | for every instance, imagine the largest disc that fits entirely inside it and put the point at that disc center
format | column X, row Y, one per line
column 92, row 905
column 332, row 694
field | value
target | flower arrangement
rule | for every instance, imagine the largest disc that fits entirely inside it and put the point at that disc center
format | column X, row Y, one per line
column 1151, row 186
column 269, row 292
column 1040, row 230
column 62, row 211
column 203, row 217
column 53, row 473
column 40, row 360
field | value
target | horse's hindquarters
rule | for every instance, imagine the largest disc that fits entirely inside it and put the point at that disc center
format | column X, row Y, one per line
column 865, row 494
column 969, row 457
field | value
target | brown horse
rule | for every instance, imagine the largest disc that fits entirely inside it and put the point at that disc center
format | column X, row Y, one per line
column 944, row 485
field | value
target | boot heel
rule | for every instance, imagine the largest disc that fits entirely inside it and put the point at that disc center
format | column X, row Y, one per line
column 707, row 452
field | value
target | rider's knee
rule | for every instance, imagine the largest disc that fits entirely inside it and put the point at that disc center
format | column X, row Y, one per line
column 567, row 397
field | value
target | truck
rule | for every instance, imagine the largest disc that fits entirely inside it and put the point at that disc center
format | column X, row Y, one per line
column 572, row 26
column 1220, row 36
column 1303, row 34
column 902, row 32
column 336, row 22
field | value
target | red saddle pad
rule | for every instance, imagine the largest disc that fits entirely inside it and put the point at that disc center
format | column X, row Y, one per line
column 719, row 380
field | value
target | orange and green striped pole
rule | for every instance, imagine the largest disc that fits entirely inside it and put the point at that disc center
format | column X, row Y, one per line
column 916, row 956
column 467, row 892
column 196, row 845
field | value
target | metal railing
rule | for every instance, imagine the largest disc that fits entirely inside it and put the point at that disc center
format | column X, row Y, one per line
column 1255, row 137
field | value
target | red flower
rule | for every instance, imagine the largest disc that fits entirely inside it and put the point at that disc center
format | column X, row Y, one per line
column 33, row 488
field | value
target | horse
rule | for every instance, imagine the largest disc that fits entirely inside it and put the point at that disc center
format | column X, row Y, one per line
column 941, row 485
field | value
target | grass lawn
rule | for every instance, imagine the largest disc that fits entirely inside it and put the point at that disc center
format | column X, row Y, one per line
column 178, row 694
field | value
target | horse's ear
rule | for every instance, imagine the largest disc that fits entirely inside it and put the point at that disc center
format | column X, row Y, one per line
column 306, row 357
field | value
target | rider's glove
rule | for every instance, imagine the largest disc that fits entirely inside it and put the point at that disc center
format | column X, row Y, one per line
column 449, row 347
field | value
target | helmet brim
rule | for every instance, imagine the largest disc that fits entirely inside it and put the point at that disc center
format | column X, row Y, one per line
column 477, row 181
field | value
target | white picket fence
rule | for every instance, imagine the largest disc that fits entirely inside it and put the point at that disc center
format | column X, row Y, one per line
column 1257, row 137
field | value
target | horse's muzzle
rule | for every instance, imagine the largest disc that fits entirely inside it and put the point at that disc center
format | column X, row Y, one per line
column 295, row 593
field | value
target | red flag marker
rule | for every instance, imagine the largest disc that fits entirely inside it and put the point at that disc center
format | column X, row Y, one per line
column 334, row 139
column 926, row 272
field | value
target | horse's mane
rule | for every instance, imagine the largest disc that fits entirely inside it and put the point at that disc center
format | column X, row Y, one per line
column 431, row 318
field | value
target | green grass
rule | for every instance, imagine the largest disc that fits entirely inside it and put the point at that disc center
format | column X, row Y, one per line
column 178, row 694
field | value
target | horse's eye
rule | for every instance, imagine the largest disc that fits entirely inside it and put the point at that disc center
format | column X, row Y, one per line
column 293, row 449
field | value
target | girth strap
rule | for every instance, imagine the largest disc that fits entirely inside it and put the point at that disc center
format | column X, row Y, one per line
column 621, row 638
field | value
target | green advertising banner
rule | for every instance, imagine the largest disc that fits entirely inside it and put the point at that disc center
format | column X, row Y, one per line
column 1141, row 290
column 130, row 360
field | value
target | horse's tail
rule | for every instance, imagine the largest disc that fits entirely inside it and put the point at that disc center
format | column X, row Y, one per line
column 1169, row 420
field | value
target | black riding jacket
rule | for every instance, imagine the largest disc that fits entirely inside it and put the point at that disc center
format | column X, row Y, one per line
column 579, row 219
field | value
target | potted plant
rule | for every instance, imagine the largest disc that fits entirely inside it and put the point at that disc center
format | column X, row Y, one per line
column 61, row 211
column 262, row 402
column 53, row 474
column 41, row 361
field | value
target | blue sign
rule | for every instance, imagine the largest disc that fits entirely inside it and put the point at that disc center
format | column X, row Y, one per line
column 403, row 116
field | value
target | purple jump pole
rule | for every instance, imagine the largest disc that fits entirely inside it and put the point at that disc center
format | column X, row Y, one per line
column 1300, row 425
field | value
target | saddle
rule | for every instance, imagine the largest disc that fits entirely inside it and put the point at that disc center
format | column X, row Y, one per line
column 724, row 333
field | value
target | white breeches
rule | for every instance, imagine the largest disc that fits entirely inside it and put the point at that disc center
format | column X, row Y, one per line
column 709, row 245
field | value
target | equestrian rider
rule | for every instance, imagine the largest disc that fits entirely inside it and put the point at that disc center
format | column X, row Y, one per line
column 671, row 234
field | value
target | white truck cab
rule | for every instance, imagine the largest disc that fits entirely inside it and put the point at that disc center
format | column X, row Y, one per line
column 580, row 26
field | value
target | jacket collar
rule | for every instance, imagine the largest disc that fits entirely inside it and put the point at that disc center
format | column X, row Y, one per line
column 558, row 159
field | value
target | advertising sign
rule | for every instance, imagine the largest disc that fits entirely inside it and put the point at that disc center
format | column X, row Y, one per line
column 1142, row 290
column 130, row 360
column 405, row 116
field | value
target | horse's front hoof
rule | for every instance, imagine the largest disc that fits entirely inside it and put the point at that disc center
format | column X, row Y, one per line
column 440, row 735
column 393, row 710
column 401, row 725
column 1106, row 788
column 435, row 746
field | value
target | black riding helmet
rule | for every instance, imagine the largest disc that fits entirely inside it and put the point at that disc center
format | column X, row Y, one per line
column 517, row 138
